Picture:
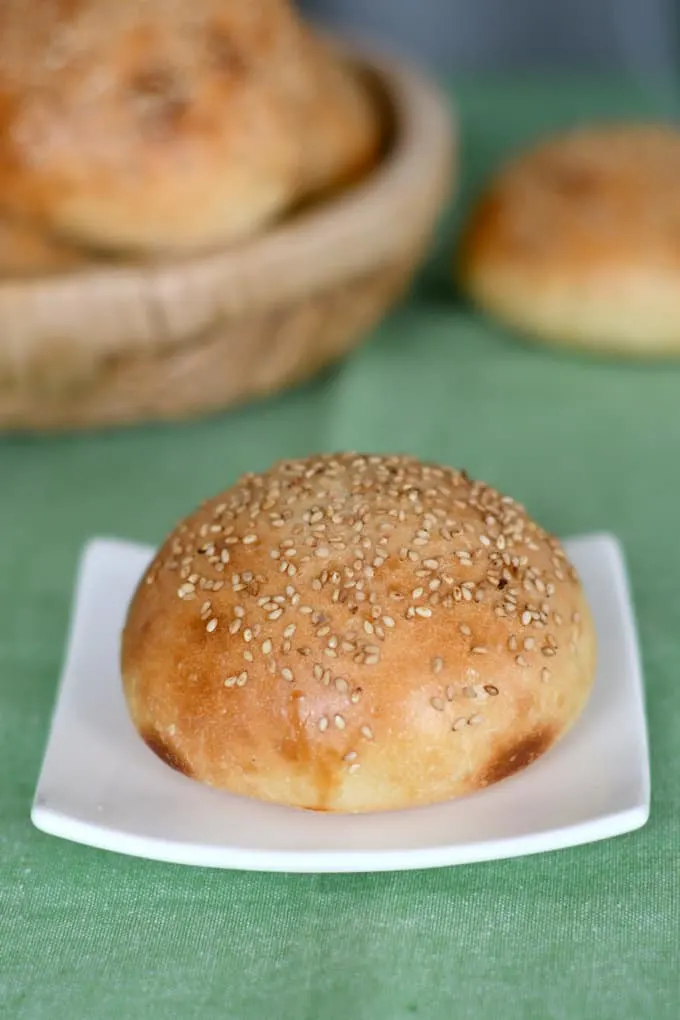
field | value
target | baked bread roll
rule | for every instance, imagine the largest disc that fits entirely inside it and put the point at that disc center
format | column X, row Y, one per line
column 357, row 633
column 577, row 241
column 159, row 125
column 341, row 126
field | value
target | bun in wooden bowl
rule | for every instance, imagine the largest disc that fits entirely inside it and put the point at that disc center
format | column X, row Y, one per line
column 357, row 633
column 177, row 337
column 170, row 126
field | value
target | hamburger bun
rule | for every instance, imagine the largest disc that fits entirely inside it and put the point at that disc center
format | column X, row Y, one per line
column 342, row 129
column 577, row 241
column 164, row 125
column 357, row 633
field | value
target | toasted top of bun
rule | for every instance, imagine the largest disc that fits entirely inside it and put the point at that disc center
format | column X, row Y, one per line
column 158, row 124
column 577, row 240
column 357, row 633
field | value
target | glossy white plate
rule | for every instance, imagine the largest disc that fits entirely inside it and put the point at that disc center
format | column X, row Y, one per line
column 101, row 786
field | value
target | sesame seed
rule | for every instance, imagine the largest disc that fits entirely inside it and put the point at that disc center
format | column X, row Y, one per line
column 355, row 696
column 367, row 732
column 341, row 684
column 529, row 643
column 545, row 674
column 479, row 650
column 353, row 769
column 476, row 719
column 266, row 647
column 242, row 679
column 527, row 617
column 275, row 614
column 239, row 612
column 287, row 674
column 459, row 724
column 491, row 690
column 464, row 629
column 322, row 551
column 423, row 611
column 211, row 625
column 249, row 539
column 339, row 722
column 438, row 703
column 186, row 590
column 521, row 661
column 230, row 681
column 437, row 664
column 388, row 621
column 350, row 756
column 323, row 723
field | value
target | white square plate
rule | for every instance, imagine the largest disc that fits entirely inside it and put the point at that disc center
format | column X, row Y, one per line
column 101, row 786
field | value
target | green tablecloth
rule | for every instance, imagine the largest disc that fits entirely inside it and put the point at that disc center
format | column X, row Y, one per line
column 584, row 934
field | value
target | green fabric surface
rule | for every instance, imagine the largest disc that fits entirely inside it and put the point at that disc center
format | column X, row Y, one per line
column 591, row 932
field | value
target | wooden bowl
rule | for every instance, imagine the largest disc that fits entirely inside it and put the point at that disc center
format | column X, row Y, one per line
column 120, row 344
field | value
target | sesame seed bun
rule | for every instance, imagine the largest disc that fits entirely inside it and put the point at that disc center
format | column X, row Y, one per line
column 357, row 633
column 577, row 241
column 165, row 125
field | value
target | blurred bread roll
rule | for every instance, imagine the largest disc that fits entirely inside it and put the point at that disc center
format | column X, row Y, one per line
column 161, row 124
column 576, row 242
column 342, row 134
column 357, row 633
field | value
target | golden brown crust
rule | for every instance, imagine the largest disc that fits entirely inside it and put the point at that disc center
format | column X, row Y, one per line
column 155, row 125
column 577, row 241
column 356, row 633
column 342, row 130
